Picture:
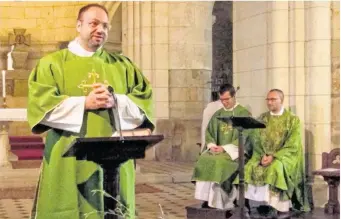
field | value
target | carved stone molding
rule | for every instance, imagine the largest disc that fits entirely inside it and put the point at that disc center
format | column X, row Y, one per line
column 4, row 49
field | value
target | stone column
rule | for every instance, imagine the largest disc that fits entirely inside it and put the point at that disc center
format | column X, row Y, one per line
column 190, row 63
column 318, row 80
column 145, row 41
column 171, row 42
column 250, row 48
column 278, row 46
column 296, row 71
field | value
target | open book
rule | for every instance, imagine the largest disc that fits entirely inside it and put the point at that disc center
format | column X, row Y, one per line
column 134, row 132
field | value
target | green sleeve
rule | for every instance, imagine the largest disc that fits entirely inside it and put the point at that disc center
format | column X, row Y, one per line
column 140, row 91
column 43, row 93
column 211, row 133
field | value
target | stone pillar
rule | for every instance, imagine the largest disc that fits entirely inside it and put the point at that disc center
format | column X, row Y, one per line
column 296, row 71
column 190, row 63
column 250, row 52
column 278, row 46
column 318, row 80
column 171, row 42
column 335, row 53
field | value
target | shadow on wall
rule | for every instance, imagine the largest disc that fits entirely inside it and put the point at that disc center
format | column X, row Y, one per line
column 309, row 147
column 63, row 44
column 180, row 140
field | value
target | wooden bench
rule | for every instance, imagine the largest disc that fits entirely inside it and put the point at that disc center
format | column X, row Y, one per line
column 331, row 174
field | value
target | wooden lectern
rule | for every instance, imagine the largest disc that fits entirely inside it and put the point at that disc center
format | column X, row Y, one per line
column 110, row 153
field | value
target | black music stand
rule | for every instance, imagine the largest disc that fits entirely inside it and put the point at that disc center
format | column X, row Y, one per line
column 110, row 153
column 241, row 123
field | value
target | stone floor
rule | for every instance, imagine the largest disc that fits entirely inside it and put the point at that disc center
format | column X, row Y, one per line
column 173, row 198
column 161, row 187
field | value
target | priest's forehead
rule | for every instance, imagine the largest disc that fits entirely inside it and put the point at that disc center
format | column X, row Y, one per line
column 93, row 11
column 277, row 92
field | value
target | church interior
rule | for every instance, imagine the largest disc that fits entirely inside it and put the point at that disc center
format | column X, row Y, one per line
column 186, row 50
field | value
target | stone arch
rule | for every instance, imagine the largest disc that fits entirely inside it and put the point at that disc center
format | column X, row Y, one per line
column 222, row 49
column 114, row 42
column 112, row 7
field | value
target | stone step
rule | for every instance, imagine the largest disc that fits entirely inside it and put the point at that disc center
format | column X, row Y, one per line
column 25, row 164
column 27, row 145
column 14, row 139
column 29, row 154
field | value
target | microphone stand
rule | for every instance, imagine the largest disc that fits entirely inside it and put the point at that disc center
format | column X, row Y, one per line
column 113, row 114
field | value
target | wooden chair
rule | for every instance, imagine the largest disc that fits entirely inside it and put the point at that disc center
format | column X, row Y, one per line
column 331, row 174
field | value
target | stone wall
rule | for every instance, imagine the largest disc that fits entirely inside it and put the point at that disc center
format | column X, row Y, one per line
column 51, row 25
column 172, row 43
column 293, row 46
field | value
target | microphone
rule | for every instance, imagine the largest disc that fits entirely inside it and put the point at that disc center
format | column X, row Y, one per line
column 114, row 115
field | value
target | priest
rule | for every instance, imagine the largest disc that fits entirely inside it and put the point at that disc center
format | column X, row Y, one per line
column 68, row 98
column 217, row 166
column 274, row 176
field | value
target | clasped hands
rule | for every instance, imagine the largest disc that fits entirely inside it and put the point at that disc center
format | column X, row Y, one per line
column 99, row 98
column 216, row 149
column 266, row 160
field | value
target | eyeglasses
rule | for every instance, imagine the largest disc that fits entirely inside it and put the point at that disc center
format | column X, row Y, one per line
column 95, row 23
column 271, row 99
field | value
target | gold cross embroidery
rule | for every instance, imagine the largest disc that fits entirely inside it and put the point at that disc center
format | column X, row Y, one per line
column 226, row 128
column 85, row 85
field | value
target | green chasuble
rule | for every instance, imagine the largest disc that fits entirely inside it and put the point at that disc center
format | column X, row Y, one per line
column 282, row 139
column 70, row 188
column 219, row 168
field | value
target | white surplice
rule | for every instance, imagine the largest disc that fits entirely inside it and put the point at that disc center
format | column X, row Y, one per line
column 211, row 191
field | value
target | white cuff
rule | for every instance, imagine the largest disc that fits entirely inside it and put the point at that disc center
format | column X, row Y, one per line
column 130, row 114
column 209, row 145
column 232, row 150
column 67, row 116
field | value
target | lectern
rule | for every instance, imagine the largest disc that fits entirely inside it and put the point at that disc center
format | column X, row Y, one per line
column 110, row 153
column 241, row 123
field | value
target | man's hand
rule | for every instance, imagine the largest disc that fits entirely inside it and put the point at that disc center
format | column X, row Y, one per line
column 266, row 160
column 217, row 149
column 98, row 98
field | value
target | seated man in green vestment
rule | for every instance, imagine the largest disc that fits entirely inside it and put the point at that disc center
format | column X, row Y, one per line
column 274, row 175
column 217, row 166
column 68, row 97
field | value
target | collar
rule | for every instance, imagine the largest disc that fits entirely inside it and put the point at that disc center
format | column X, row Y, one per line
column 76, row 48
column 279, row 113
